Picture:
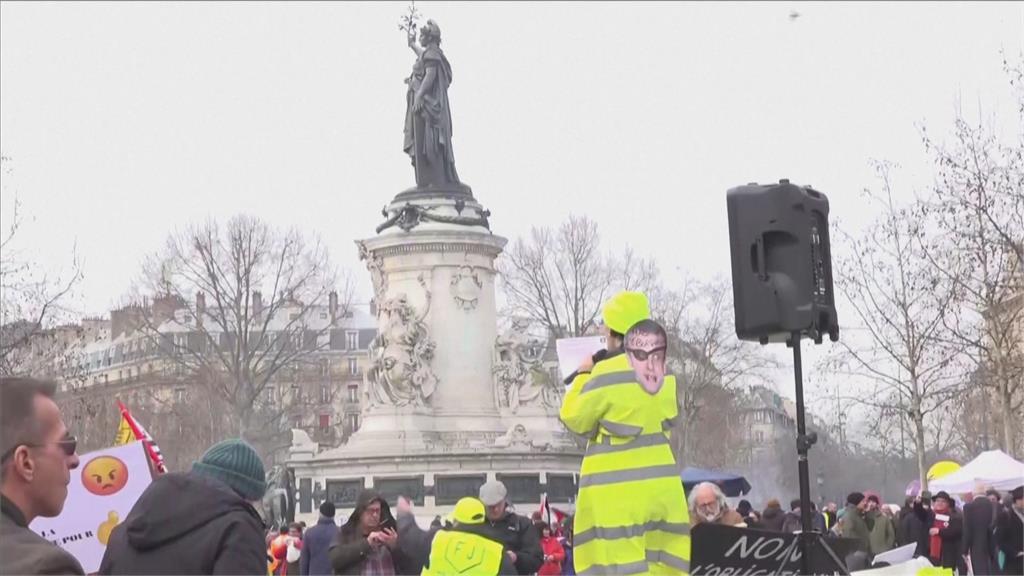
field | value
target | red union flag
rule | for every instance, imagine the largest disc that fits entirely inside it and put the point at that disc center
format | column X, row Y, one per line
column 139, row 433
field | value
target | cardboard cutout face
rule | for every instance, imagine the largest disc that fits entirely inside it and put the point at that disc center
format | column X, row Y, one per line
column 646, row 346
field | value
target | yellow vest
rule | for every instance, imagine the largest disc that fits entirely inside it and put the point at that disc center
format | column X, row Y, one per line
column 455, row 552
column 631, row 515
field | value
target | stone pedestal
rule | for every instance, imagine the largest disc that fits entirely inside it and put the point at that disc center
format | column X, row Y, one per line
column 434, row 413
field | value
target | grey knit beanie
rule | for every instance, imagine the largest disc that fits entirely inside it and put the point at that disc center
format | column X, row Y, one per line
column 236, row 464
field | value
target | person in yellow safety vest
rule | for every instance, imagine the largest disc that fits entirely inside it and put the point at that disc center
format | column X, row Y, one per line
column 464, row 549
column 631, row 512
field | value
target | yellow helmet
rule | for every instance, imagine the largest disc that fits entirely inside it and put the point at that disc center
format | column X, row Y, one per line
column 469, row 511
column 624, row 310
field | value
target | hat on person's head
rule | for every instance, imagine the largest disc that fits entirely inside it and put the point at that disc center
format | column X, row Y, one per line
column 327, row 509
column 942, row 494
column 469, row 511
column 855, row 498
column 493, row 493
column 236, row 464
column 624, row 310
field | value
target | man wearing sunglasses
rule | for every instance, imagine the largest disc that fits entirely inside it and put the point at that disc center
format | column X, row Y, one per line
column 38, row 457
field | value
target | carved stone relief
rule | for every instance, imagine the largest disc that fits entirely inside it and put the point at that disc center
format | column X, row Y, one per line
column 375, row 264
column 401, row 355
column 519, row 377
column 465, row 288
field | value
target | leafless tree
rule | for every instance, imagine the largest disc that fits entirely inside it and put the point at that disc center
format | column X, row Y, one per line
column 251, row 296
column 560, row 278
column 710, row 362
column 897, row 341
column 30, row 299
column 977, row 205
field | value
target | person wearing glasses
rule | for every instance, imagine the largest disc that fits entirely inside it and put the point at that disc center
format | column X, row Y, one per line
column 631, row 514
column 38, row 457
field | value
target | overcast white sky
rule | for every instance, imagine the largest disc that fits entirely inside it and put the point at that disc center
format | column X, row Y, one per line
column 124, row 121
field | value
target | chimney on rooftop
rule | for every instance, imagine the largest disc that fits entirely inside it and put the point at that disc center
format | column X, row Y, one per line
column 332, row 305
column 257, row 304
column 200, row 308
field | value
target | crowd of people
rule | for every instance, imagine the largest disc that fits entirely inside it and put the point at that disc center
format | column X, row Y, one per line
column 631, row 514
column 985, row 535
column 205, row 521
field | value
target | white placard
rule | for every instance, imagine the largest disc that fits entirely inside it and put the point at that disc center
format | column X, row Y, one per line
column 897, row 555
column 102, row 491
column 573, row 351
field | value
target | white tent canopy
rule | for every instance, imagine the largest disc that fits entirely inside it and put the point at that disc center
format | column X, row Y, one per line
column 993, row 468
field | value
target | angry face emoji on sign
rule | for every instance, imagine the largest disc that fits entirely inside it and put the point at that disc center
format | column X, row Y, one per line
column 104, row 475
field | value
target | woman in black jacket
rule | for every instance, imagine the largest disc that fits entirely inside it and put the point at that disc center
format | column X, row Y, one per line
column 940, row 540
column 1011, row 534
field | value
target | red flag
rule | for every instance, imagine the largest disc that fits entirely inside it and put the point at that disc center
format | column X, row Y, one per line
column 147, row 440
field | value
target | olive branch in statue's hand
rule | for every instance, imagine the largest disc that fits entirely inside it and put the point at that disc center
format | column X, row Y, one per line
column 410, row 22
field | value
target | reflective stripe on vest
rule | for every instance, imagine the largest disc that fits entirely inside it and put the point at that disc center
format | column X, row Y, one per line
column 630, row 475
column 617, row 532
column 456, row 552
column 605, row 446
column 608, row 379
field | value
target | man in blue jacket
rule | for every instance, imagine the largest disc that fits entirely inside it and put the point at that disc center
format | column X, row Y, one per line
column 317, row 540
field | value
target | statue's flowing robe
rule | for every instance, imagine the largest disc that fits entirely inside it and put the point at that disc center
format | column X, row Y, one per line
column 428, row 133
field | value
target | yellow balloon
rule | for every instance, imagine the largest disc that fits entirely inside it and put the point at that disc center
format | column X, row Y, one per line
column 943, row 468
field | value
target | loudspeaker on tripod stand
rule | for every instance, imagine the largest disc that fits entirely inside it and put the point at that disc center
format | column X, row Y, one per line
column 782, row 292
column 781, row 262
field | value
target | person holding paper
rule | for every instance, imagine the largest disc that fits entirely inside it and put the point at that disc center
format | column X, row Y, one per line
column 941, row 541
column 631, row 514
column 619, row 313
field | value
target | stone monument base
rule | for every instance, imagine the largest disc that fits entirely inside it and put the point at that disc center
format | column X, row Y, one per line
column 435, row 469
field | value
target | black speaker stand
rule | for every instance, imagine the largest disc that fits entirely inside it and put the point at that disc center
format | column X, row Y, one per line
column 807, row 539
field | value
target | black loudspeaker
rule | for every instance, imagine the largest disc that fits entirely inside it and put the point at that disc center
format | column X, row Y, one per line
column 781, row 263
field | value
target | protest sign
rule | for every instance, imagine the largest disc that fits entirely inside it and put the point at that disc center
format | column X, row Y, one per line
column 573, row 351
column 897, row 555
column 729, row 551
column 102, row 491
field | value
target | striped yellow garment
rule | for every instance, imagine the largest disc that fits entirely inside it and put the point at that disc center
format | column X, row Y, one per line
column 631, row 515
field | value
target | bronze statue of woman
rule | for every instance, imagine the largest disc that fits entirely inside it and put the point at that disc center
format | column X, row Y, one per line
column 428, row 116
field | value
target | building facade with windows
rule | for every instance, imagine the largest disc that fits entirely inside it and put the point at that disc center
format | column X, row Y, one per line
column 102, row 360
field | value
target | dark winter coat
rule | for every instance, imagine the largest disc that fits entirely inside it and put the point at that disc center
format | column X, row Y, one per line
column 980, row 517
column 22, row 551
column 854, row 526
column 315, row 543
column 951, row 537
column 883, row 533
column 568, row 569
column 349, row 548
column 773, row 519
column 415, row 541
column 793, row 523
column 187, row 524
column 911, row 528
column 520, row 536
column 1011, row 541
